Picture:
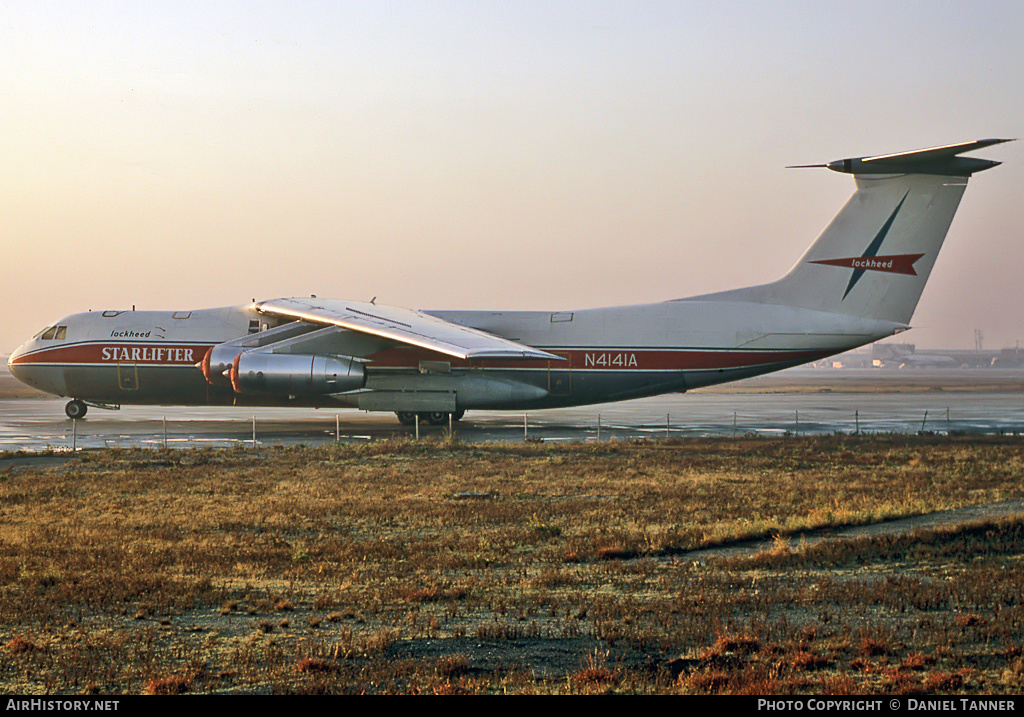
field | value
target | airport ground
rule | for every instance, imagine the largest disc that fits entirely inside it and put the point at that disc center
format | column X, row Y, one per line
column 799, row 401
column 776, row 564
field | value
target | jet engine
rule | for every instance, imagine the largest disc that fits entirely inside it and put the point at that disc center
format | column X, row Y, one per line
column 295, row 374
column 216, row 362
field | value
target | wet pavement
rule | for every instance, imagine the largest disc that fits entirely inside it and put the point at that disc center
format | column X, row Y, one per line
column 814, row 402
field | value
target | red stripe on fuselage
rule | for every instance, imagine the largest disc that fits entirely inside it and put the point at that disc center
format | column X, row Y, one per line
column 115, row 353
column 598, row 359
column 609, row 359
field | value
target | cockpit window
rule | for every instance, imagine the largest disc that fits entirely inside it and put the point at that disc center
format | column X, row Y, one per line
column 52, row 332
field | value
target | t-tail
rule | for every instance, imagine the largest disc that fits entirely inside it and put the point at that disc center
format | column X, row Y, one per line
column 873, row 259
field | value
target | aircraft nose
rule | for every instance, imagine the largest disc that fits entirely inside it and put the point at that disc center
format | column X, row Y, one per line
column 45, row 378
column 16, row 369
column 15, row 355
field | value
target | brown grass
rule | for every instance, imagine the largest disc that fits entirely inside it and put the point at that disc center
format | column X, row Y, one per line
column 347, row 569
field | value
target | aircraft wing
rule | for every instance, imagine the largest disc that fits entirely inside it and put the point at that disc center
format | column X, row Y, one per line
column 405, row 326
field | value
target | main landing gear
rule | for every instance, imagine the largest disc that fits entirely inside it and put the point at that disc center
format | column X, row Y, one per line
column 435, row 418
column 76, row 409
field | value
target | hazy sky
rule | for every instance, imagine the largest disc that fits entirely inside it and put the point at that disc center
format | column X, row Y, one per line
column 480, row 155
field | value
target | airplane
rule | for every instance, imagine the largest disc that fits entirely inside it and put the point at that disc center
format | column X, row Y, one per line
column 859, row 282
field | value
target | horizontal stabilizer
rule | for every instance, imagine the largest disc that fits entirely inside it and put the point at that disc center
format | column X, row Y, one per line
column 942, row 161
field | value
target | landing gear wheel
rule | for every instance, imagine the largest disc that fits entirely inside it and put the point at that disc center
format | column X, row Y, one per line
column 457, row 416
column 76, row 409
column 406, row 418
column 437, row 418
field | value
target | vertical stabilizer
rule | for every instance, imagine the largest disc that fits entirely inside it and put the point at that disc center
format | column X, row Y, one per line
column 873, row 259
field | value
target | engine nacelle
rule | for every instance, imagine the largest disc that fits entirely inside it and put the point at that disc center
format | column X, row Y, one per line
column 295, row 374
column 218, row 360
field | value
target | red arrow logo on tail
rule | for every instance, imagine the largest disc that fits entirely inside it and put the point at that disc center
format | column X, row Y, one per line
column 894, row 264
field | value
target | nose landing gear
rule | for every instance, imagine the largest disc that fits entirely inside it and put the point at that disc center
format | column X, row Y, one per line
column 76, row 409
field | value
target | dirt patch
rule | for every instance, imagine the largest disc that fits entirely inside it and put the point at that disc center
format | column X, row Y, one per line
column 901, row 526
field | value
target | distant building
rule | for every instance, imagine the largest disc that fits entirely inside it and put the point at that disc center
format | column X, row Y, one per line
column 906, row 356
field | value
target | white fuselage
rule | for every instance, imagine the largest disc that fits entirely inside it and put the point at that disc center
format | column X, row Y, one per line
column 142, row 357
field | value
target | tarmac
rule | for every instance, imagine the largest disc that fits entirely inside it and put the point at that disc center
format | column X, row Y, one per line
column 802, row 401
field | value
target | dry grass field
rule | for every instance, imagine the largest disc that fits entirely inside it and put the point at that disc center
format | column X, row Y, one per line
column 444, row 568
